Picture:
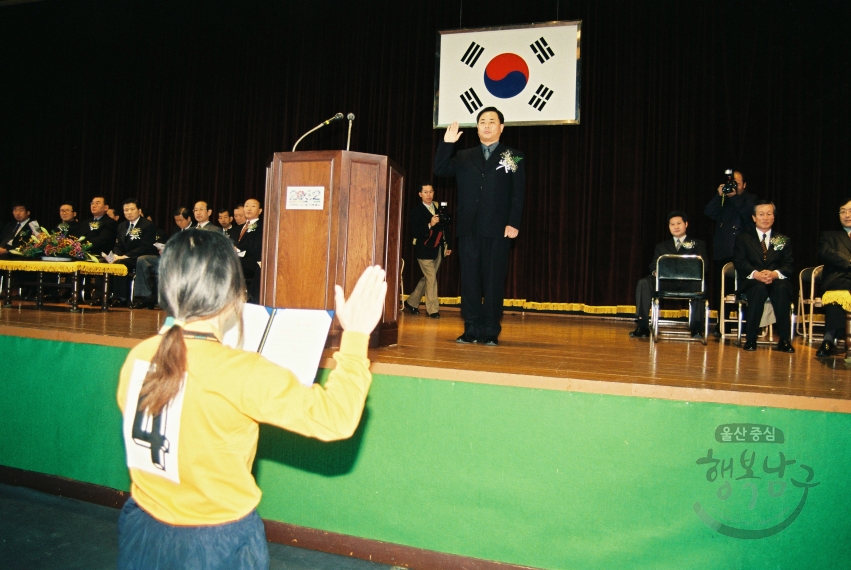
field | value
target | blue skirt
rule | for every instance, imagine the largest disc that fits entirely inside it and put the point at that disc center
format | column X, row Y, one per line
column 144, row 543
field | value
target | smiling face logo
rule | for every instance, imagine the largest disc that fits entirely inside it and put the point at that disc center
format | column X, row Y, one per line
column 750, row 502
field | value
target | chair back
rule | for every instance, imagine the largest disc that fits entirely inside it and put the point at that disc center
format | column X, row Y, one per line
column 670, row 267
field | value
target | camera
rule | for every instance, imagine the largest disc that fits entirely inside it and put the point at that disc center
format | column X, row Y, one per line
column 731, row 186
column 443, row 213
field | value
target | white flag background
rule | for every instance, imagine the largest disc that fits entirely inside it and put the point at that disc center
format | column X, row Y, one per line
column 527, row 72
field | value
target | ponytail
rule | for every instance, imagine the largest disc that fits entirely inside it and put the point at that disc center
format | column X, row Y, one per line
column 166, row 373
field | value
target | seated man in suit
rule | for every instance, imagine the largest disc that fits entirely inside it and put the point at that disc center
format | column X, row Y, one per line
column 834, row 251
column 100, row 229
column 430, row 245
column 202, row 216
column 136, row 237
column 763, row 260
column 147, row 265
column 16, row 233
column 69, row 225
column 679, row 244
column 249, row 247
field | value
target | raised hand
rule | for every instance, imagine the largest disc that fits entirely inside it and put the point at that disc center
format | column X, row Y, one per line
column 452, row 133
column 362, row 310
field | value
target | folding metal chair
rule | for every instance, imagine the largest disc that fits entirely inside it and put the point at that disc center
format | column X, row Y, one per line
column 809, row 282
column 672, row 269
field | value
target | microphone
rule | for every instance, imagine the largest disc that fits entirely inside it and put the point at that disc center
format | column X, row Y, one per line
column 350, row 117
column 337, row 117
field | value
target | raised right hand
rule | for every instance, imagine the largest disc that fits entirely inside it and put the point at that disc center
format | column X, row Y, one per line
column 452, row 133
column 362, row 310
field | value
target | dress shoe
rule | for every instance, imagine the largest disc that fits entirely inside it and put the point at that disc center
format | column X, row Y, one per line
column 639, row 332
column 412, row 310
column 143, row 303
column 826, row 349
column 785, row 346
column 466, row 339
column 434, row 315
column 750, row 345
column 491, row 341
column 118, row 303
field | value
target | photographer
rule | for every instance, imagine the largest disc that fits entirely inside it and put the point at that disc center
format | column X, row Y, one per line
column 430, row 228
column 732, row 209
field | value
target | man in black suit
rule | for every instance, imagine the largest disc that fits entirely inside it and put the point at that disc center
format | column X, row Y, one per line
column 732, row 213
column 764, row 265
column 228, row 227
column 68, row 224
column 99, row 230
column 136, row 237
column 17, row 233
column 491, row 181
column 430, row 245
column 148, row 265
column 249, row 247
column 834, row 251
column 680, row 244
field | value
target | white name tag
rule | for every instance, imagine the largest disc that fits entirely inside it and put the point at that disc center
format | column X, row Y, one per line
column 152, row 442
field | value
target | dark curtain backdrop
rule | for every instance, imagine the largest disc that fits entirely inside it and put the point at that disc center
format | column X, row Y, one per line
column 174, row 102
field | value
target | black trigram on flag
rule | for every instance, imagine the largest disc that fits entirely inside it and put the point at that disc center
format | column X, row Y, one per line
column 471, row 56
column 542, row 50
column 541, row 96
column 471, row 100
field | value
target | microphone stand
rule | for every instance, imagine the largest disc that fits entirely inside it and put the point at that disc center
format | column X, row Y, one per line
column 336, row 117
column 351, row 118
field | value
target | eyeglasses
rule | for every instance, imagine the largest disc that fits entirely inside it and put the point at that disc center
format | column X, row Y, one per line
column 844, row 211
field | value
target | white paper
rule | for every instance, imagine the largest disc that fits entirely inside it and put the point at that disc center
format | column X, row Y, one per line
column 254, row 321
column 109, row 257
column 296, row 339
column 159, row 246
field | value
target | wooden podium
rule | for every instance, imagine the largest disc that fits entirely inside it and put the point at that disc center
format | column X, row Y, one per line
column 328, row 216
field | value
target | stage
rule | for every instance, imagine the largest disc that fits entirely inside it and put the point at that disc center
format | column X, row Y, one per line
column 569, row 445
column 555, row 352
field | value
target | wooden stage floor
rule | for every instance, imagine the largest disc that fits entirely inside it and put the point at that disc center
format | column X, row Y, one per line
column 585, row 354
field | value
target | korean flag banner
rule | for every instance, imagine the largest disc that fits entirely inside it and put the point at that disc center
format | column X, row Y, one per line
column 530, row 73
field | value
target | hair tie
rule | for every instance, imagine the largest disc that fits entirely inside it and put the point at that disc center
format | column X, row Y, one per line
column 178, row 323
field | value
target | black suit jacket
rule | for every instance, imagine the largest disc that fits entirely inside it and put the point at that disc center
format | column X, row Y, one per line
column 17, row 240
column 71, row 228
column 834, row 251
column 232, row 233
column 490, row 196
column 748, row 258
column 668, row 247
column 141, row 245
column 733, row 216
column 252, row 244
column 419, row 219
column 100, row 233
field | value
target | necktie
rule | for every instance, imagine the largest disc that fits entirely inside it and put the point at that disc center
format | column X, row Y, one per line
column 242, row 232
column 130, row 228
column 679, row 243
column 764, row 248
column 487, row 153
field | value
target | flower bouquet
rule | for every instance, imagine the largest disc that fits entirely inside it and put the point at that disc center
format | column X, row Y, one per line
column 55, row 245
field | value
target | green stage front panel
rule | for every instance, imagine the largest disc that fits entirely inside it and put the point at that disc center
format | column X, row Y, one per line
column 538, row 478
